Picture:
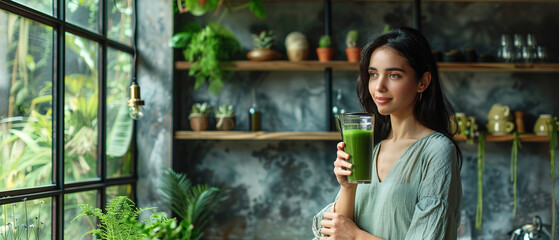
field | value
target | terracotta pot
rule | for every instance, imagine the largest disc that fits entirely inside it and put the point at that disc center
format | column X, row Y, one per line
column 202, row 2
column 263, row 54
column 296, row 55
column 324, row 54
column 353, row 54
column 225, row 122
column 199, row 122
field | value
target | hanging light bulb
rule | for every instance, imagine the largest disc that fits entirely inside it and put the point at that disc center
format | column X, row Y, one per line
column 135, row 104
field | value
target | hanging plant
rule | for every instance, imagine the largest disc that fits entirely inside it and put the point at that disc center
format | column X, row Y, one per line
column 514, row 167
column 552, row 145
column 201, row 7
column 480, row 168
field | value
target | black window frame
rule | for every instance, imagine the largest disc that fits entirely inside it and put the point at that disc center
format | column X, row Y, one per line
column 57, row 192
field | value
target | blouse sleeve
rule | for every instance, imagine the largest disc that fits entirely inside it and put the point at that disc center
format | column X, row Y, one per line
column 439, row 196
column 317, row 218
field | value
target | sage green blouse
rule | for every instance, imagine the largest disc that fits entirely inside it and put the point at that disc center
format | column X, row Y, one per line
column 418, row 199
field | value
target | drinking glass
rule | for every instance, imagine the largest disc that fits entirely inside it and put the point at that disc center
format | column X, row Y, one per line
column 357, row 134
column 541, row 53
column 527, row 54
column 518, row 44
column 505, row 40
column 507, row 54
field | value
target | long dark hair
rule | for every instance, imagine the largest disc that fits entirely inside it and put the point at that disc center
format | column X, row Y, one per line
column 433, row 109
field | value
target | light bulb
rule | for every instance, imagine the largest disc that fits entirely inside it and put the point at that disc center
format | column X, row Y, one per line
column 135, row 104
column 136, row 112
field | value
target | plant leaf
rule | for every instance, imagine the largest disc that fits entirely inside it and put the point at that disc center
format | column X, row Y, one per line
column 257, row 8
column 120, row 135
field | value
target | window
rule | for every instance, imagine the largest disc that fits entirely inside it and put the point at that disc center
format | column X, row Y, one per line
column 65, row 133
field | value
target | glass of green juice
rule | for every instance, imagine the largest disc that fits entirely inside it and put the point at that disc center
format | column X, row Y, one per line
column 357, row 134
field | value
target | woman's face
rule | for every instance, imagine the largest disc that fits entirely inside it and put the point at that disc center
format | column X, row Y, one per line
column 392, row 82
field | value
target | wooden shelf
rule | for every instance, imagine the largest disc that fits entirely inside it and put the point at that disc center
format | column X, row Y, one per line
column 241, row 135
column 505, row 1
column 508, row 138
column 347, row 66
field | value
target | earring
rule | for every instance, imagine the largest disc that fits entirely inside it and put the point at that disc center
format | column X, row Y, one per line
column 420, row 95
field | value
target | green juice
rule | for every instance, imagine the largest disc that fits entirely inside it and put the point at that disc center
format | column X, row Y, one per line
column 359, row 146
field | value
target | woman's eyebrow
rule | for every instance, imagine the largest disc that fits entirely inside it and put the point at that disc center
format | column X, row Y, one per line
column 388, row 69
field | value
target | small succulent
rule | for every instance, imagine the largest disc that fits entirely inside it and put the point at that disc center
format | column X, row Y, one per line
column 200, row 109
column 324, row 42
column 352, row 38
column 264, row 40
column 225, row 110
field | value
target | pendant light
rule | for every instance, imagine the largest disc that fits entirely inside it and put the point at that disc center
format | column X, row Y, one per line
column 135, row 104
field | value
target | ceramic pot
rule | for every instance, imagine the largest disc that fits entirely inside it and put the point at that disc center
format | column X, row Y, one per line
column 543, row 125
column 225, row 122
column 499, row 112
column 263, row 54
column 500, row 127
column 199, row 122
column 464, row 123
column 297, row 46
column 325, row 54
column 353, row 54
column 296, row 55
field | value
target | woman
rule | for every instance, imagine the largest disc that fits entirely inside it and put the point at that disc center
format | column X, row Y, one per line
column 415, row 190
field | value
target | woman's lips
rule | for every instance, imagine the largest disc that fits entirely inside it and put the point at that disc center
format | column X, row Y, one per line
column 383, row 100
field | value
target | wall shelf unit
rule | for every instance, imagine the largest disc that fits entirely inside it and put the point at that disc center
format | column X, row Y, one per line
column 348, row 66
column 261, row 135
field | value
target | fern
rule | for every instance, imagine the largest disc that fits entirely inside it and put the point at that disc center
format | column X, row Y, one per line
column 193, row 204
column 119, row 223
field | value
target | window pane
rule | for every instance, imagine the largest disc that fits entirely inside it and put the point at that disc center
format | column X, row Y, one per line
column 39, row 5
column 28, row 218
column 83, row 13
column 115, row 191
column 118, row 122
column 25, row 102
column 80, row 109
column 77, row 228
column 119, row 26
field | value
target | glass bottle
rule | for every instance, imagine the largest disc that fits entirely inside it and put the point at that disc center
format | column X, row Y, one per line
column 253, row 115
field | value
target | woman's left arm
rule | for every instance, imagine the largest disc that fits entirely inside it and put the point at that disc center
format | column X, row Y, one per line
column 339, row 227
column 436, row 213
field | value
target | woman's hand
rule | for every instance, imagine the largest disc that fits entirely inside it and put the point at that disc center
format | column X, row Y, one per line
column 341, row 165
column 336, row 226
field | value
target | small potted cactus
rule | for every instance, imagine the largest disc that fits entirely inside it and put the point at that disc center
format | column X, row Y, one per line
column 263, row 44
column 352, row 51
column 324, row 50
column 225, row 117
column 198, row 117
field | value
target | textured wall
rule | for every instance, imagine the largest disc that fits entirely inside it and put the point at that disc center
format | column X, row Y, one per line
column 155, row 69
column 276, row 186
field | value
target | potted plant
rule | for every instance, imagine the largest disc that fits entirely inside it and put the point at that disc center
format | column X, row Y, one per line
column 324, row 50
column 352, row 51
column 198, row 117
column 225, row 117
column 263, row 44
column 205, row 48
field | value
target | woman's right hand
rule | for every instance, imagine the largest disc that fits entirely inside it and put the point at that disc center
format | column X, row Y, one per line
column 341, row 166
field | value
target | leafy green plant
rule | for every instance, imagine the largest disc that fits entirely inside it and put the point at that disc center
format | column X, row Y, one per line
column 325, row 42
column 225, row 109
column 193, row 204
column 205, row 48
column 264, row 40
column 200, row 109
column 120, row 222
column 200, row 7
column 352, row 38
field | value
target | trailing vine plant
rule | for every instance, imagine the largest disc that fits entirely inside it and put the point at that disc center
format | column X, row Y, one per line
column 480, row 168
column 552, row 145
column 514, row 168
